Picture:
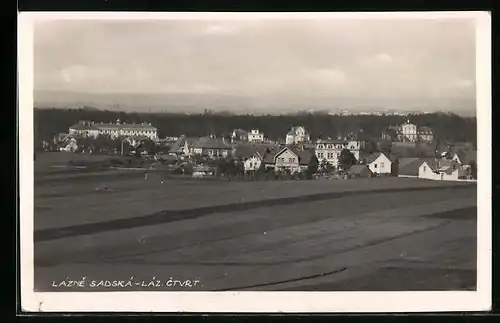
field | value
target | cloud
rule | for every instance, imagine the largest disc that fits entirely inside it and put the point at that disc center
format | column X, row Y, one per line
column 282, row 58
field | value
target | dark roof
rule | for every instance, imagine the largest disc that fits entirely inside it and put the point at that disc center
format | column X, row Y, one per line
column 371, row 158
column 211, row 143
column 304, row 155
column 358, row 169
column 409, row 166
column 424, row 129
column 244, row 151
column 84, row 126
column 179, row 144
column 332, row 141
column 442, row 165
column 111, row 126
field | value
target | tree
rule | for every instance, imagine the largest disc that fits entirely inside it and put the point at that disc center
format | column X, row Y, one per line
column 312, row 167
column 371, row 147
column 346, row 160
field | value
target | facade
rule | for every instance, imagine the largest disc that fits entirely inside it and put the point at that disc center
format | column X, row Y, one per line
column 425, row 134
column 409, row 132
column 239, row 135
column 115, row 130
column 297, row 134
column 439, row 170
column 183, row 147
column 253, row 163
column 212, row 147
column 379, row 163
column 331, row 149
column 288, row 159
column 255, row 136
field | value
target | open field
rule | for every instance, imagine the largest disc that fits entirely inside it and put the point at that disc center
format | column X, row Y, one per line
column 366, row 234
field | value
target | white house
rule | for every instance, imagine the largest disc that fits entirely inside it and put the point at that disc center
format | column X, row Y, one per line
column 409, row 132
column 255, row 136
column 439, row 170
column 253, row 163
column 379, row 163
column 297, row 134
column 331, row 149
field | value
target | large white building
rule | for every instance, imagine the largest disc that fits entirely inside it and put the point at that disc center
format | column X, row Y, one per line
column 409, row 132
column 115, row 130
column 330, row 150
column 297, row 134
column 255, row 136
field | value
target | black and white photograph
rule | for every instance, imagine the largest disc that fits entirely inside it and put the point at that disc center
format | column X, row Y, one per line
column 255, row 162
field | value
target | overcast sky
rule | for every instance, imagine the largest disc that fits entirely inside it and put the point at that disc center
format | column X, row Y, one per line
column 320, row 59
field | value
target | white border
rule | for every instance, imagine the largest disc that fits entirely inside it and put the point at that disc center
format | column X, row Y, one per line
column 293, row 302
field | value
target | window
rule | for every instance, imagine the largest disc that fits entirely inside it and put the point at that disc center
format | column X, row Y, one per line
column 374, row 165
column 330, row 155
column 330, row 146
column 321, row 155
column 381, row 165
column 425, row 168
column 321, row 146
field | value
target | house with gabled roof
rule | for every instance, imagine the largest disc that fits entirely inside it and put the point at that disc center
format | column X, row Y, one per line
column 213, row 147
column 439, row 169
column 379, row 163
column 297, row 134
column 252, row 155
column 289, row 158
column 183, row 146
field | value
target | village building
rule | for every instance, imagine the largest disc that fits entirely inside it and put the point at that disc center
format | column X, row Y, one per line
column 114, row 130
column 408, row 132
column 289, row 159
column 296, row 135
column 213, row 147
column 439, row 169
column 379, row 163
column 255, row 136
column 251, row 155
column 330, row 150
column 183, row 147
column 239, row 135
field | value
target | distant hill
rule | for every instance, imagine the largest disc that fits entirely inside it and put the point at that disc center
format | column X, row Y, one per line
column 195, row 103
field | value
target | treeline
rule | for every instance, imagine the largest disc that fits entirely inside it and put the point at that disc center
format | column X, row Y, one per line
column 446, row 126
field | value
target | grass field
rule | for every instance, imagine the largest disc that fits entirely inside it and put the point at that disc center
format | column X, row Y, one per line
column 366, row 234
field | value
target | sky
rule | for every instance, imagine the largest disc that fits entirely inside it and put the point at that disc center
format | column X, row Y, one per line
column 272, row 61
